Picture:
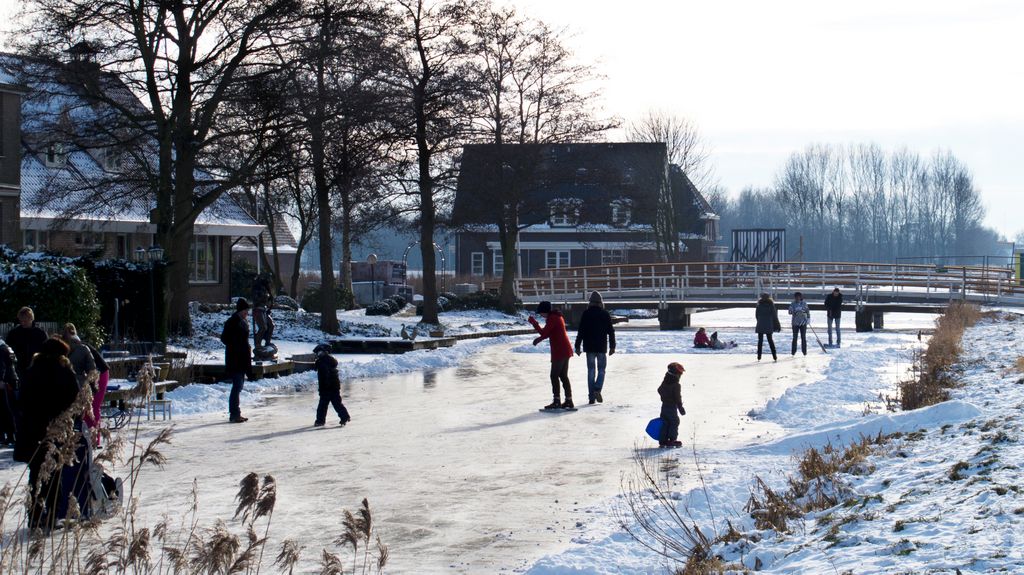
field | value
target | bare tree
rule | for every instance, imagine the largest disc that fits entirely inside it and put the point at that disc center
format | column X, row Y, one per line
column 430, row 74
column 687, row 148
column 183, row 59
column 532, row 93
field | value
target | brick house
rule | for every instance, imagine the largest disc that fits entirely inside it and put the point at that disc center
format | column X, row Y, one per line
column 48, row 189
column 580, row 205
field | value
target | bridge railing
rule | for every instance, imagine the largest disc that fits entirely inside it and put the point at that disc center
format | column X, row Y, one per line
column 679, row 280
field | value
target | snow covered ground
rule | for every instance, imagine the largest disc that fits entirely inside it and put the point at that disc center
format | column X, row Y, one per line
column 465, row 475
column 944, row 497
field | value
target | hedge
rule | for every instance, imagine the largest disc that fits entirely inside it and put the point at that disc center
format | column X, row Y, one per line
column 311, row 299
column 56, row 288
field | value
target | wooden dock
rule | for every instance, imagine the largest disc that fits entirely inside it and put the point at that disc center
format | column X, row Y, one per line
column 383, row 345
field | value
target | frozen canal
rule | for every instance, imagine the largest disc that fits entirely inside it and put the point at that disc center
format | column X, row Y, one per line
column 462, row 471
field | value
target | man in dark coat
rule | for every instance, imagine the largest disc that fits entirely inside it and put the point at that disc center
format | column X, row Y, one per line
column 237, row 356
column 597, row 336
column 49, row 389
column 833, row 310
column 25, row 339
column 329, row 384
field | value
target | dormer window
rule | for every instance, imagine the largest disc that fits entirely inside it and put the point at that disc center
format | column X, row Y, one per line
column 55, row 155
column 622, row 213
column 565, row 213
column 110, row 159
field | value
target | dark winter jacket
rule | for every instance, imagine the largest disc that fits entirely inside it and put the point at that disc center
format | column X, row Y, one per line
column 8, row 375
column 596, row 332
column 97, row 358
column 767, row 317
column 25, row 342
column 671, row 392
column 49, row 388
column 834, row 305
column 235, row 337
column 554, row 329
column 327, row 376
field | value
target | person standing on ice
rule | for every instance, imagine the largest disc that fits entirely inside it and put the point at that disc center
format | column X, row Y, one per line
column 671, row 393
column 329, row 385
column 833, row 310
column 597, row 336
column 561, row 351
column 801, row 318
column 237, row 356
column 767, row 324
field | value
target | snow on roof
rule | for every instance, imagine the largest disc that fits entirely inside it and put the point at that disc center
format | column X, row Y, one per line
column 79, row 192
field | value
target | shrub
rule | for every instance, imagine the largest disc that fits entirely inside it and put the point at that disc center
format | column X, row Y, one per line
column 56, row 288
column 137, row 295
column 379, row 308
column 311, row 299
column 480, row 300
column 243, row 274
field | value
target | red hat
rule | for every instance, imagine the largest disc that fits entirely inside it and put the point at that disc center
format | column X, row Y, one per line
column 676, row 367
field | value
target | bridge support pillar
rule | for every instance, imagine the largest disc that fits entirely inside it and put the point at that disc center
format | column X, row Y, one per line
column 868, row 319
column 673, row 318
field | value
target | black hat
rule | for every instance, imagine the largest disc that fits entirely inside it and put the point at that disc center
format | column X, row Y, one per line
column 544, row 307
column 242, row 304
column 323, row 347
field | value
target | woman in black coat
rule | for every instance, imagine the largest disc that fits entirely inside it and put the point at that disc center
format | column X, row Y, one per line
column 767, row 324
column 50, row 388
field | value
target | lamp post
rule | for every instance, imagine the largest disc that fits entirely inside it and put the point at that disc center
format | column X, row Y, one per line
column 372, row 260
column 154, row 254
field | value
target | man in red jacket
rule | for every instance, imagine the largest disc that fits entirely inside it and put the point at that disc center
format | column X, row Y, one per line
column 561, row 351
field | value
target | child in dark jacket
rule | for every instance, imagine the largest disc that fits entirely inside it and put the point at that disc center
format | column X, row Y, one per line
column 671, row 401
column 329, row 384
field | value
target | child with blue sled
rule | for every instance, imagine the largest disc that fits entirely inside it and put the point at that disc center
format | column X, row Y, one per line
column 671, row 393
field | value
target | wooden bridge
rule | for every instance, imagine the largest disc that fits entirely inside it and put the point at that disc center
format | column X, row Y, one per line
column 678, row 289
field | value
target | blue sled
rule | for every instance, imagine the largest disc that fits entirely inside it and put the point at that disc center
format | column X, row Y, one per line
column 654, row 429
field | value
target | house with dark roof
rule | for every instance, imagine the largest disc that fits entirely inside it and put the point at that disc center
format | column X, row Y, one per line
column 586, row 204
column 280, row 239
column 79, row 195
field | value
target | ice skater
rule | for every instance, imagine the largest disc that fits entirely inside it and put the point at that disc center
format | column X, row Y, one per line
column 597, row 336
column 833, row 311
column 561, row 352
column 801, row 319
column 671, row 393
column 767, row 324
column 329, row 386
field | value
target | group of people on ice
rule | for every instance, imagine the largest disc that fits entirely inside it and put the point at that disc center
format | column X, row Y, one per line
column 596, row 333
column 41, row 380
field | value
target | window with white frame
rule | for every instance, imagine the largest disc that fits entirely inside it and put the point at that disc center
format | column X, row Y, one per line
column 55, row 155
column 613, row 257
column 204, row 259
column 564, row 213
column 499, row 264
column 622, row 213
column 124, row 246
column 476, row 263
column 36, row 240
column 556, row 259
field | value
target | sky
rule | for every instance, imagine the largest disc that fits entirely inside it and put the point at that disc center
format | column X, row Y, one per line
column 765, row 79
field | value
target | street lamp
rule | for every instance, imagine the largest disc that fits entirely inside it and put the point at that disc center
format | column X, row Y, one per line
column 372, row 260
column 156, row 254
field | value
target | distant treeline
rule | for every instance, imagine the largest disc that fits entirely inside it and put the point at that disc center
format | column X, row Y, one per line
column 861, row 203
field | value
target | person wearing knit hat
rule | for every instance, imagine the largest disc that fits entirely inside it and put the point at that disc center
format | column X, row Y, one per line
column 671, row 402
column 237, row 356
column 596, row 335
column 561, row 352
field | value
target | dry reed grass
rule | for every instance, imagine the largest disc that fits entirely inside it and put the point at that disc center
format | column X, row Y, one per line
column 934, row 369
column 121, row 544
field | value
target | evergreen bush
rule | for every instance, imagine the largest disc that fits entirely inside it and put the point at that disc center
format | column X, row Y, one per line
column 311, row 299
column 56, row 288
